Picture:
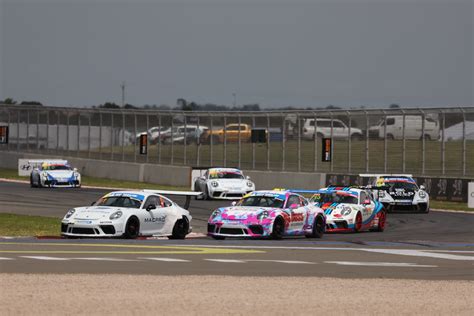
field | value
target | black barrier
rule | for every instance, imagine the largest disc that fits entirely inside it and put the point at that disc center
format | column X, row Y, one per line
column 3, row 134
column 143, row 144
column 442, row 189
column 259, row 135
column 326, row 150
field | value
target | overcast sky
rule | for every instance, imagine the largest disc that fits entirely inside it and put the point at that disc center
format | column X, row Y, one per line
column 275, row 53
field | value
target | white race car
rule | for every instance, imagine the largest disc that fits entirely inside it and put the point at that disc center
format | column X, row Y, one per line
column 130, row 214
column 399, row 192
column 55, row 173
column 223, row 183
column 349, row 209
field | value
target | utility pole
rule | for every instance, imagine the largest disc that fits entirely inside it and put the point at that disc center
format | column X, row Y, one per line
column 235, row 99
column 122, row 86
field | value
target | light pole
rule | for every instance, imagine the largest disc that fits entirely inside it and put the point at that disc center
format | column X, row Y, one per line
column 235, row 98
column 122, row 86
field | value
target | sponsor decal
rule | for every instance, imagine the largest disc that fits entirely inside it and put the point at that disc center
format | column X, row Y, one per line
column 160, row 219
column 297, row 217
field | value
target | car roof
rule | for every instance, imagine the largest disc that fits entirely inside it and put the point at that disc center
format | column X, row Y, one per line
column 217, row 169
column 349, row 190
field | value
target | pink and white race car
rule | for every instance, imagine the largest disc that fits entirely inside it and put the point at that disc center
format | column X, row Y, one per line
column 273, row 214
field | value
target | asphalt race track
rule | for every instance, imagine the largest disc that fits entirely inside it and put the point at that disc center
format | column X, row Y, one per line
column 437, row 245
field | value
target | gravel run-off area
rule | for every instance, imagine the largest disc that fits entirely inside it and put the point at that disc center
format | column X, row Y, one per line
column 60, row 294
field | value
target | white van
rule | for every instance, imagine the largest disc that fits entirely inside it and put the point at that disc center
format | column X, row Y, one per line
column 323, row 129
column 413, row 127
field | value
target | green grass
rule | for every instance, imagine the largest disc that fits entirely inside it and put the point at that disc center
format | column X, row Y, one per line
column 445, row 205
column 25, row 225
column 91, row 181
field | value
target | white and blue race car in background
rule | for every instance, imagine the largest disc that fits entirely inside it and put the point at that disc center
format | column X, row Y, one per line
column 55, row 173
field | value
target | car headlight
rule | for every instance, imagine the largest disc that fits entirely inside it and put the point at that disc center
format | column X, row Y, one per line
column 116, row 215
column 215, row 184
column 249, row 184
column 422, row 194
column 215, row 214
column 69, row 213
column 262, row 215
column 346, row 211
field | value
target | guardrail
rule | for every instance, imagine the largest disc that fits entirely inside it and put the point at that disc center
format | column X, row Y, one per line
column 424, row 142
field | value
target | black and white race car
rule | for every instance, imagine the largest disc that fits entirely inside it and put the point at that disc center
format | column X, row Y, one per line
column 399, row 192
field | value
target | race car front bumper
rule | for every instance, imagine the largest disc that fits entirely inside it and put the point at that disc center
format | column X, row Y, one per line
column 56, row 183
column 224, row 229
column 228, row 194
column 90, row 228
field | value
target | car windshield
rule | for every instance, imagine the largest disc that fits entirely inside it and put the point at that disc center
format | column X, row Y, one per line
column 401, row 185
column 119, row 201
column 225, row 175
column 262, row 201
column 335, row 197
column 56, row 167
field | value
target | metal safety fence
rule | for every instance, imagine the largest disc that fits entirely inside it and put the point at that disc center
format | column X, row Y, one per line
column 422, row 141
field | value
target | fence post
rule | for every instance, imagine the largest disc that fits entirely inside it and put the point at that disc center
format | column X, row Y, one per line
column 159, row 138
column 111, row 128
column 225, row 140
column 283, row 140
column 78, row 133
column 463, row 142
column 299, row 142
column 18, row 130
column 100, row 135
column 184, row 140
column 37, row 130
column 443, row 145
column 240, row 144
column 171, row 135
column 315, row 143
column 367, row 135
column 198, row 141
column 27, row 130
column 385, row 142
column 332, row 142
column 58, row 116
column 403, row 144
column 67, row 133
column 268, row 142
column 422, row 142
column 89, row 135
column 123, row 135
column 349, row 153
column 147, row 140
column 135, row 137
column 47, row 130
column 211, row 141
column 253, row 144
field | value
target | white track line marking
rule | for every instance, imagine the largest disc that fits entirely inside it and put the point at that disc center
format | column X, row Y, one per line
column 418, row 253
column 381, row 264
column 3, row 258
column 226, row 260
column 283, row 261
column 167, row 259
column 45, row 258
column 105, row 259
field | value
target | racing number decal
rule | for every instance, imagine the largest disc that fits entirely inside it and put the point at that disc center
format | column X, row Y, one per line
column 297, row 217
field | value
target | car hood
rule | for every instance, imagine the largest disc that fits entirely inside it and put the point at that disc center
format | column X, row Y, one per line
column 96, row 212
column 60, row 173
column 245, row 212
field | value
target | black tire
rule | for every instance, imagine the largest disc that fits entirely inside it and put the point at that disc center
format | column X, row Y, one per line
column 358, row 223
column 390, row 137
column 180, row 229
column 31, row 181
column 426, row 137
column 205, row 194
column 382, row 220
column 278, row 229
column 319, row 227
column 356, row 137
column 39, row 185
column 197, row 189
column 132, row 228
column 218, row 237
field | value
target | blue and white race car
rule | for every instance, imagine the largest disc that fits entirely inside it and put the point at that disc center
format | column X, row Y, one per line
column 55, row 173
column 350, row 209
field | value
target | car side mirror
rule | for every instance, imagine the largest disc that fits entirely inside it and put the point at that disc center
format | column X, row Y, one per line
column 75, row 169
column 294, row 206
column 422, row 187
column 234, row 203
column 150, row 207
column 366, row 202
column 248, row 178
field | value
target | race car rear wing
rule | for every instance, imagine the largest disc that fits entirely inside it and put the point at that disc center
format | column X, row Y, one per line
column 187, row 194
column 376, row 175
column 25, row 166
